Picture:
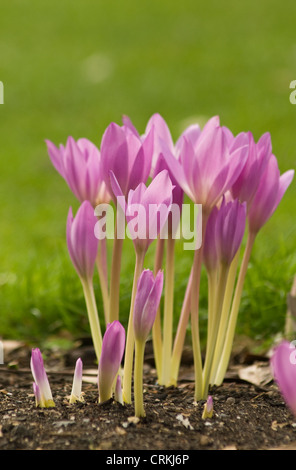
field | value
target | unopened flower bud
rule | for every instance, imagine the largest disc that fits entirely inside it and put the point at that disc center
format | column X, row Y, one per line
column 208, row 408
column 76, row 394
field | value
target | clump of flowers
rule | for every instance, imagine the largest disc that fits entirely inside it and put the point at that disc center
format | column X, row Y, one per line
column 234, row 183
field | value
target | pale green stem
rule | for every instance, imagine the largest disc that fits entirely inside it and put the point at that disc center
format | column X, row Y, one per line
column 212, row 284
column 115, row 278
column 93, row 316
column 101, row 262
column 156, row 329
column 219, row 297
column 168, row 312
column 196, row 275
column 130, row 340
column 181, row 333
column 106, row 390
column 234, row 311
column 105, row 393
column 225, row 315
column 138, row 378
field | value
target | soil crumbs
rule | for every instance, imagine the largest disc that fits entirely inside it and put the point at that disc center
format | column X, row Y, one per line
column 246, row 416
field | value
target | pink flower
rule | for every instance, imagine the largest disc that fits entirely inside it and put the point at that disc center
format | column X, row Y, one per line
column 128, row 156
column 163, row 140
column 283, row 366
column 111, row 356
column 259, row 153
column 163, row 143
column 230, row 229
column 207, row 167
column 79, row 163
column 149, row 290
column 81, row 240
column 147, row 208
column 41, row 387
column 158, row 129
column 270, row 191
column 224, row 233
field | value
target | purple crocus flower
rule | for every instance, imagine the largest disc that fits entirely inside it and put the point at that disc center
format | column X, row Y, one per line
column 162, row 138
column 259, row 153
column 81, row 240
column 149, row 290
column 230, row 229
column 207, row 166
column 162, row 143
column 111, row 356
column 127, row 155
column 41, row 387
column 146, row 209
column 224, row 233
column 283, row 366
column 79, row 163
column 83, row 248
column 270, row 191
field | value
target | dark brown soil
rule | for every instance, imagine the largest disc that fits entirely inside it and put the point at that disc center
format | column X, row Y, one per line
column 246, row 416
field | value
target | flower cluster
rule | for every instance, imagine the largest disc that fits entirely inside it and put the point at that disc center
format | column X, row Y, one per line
column 236, row 185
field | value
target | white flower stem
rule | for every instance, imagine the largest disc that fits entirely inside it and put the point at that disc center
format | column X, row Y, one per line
column 130, row 340
column 219, row 297
column 156, row 328
column 138, row 378
column 224, row 315
column 168, row 313
column 101, row 262
column 180, row 334
column 234, row 311
column 196, row 275
column 115, row 278
column 93, row 316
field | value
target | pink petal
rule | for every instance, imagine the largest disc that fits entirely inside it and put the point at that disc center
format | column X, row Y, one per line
column 283, row 367
column 115, row 156
column 56, row 156
column 82, row 241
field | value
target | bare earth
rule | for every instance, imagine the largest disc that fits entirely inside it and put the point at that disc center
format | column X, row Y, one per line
column 249, row 413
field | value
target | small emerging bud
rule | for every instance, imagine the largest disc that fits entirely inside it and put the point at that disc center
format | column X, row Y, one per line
column 76, row 394
column 208, row 408
column 112, row 352
column 41, row 386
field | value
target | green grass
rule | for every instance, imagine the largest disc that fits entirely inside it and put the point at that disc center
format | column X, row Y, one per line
column 70, row 68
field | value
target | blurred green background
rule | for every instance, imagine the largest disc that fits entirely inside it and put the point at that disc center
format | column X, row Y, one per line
column 70, row 68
